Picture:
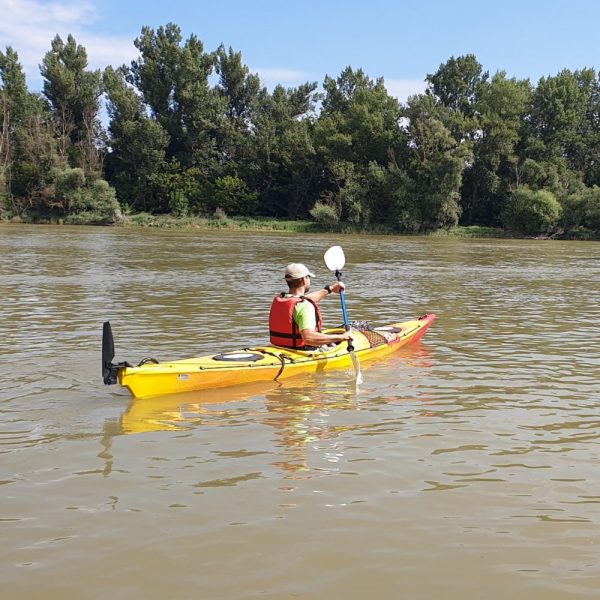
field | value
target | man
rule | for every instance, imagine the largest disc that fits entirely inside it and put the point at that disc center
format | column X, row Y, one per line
column 295, row 320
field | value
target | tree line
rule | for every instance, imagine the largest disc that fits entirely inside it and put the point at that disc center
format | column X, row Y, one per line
column 191, row 132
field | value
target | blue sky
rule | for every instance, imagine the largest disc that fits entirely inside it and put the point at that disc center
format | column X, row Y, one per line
column 290, row 42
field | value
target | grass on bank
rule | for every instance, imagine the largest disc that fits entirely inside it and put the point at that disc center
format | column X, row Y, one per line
column 223, row 222
column 269, row 224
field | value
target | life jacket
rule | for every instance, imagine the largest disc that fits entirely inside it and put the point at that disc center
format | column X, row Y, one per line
column 283, row 329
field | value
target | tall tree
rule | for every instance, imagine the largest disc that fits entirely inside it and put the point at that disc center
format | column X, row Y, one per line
column 27, row 145
column 501, row 106
column 238, row 91
column 14, row 98
column 436, row 163
column 280, row 160
column 74, row 95
column 455, row 86
column 138, row 146
column 552, row 153
column 359, row 125
column 173, row 79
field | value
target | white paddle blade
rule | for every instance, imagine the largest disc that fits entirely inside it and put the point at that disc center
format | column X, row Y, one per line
column 334, row 258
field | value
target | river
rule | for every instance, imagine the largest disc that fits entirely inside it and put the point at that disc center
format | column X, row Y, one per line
column 465, row 466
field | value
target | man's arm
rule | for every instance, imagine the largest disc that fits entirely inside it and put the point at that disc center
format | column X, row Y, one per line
column 336, row 287
column 313, row 338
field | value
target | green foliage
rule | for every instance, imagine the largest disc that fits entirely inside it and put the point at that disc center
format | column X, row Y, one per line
column 74, row 95
column 591, row 215
column 193, row 132
column 456, row 83
column 232, row 196
column 500, row 109
column 436, row 164
column 325, row 214
column 532, row 211
column 73, row 194
column 582, row 210
column 3, row 191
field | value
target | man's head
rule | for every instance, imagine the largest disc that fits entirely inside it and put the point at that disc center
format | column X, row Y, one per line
column 295, row 273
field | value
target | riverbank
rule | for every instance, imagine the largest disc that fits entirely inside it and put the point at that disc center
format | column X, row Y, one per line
column 146, row 220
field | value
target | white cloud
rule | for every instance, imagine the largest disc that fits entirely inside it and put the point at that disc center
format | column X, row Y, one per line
column 29, row 26
column 403, row 88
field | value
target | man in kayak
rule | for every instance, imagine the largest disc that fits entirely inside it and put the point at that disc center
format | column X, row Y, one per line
column 295, row 320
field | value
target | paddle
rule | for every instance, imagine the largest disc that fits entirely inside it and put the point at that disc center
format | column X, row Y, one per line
column 335, row 261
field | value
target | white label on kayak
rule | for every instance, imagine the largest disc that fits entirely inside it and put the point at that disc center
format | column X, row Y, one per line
column 183, row 376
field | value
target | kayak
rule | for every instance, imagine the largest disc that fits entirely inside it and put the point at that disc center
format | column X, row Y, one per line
column 151, row 378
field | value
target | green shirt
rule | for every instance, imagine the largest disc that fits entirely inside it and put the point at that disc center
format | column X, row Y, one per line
column 304, row 315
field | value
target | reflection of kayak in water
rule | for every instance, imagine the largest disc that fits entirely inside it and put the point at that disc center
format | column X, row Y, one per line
column 188, row 409
column 261, row 363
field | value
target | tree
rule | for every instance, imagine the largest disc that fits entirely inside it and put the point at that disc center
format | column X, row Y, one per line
column 358, row 126
column 74, row 95
column 138, row 146
column 14, row 98
column 501, row 106
column 237, row 85
column 455, row 86
column 172, row 79
column 27, row 144
column 435, row 164
column 280, row 161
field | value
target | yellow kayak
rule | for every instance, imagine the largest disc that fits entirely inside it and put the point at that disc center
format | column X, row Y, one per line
column 260, row 363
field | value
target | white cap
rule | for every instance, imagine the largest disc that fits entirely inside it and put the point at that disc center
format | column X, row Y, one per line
column 297, row 271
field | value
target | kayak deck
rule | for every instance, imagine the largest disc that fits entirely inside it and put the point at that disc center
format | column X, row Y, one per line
column 265, row 363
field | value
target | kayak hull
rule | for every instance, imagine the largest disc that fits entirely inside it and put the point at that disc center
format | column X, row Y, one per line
column 265, row 363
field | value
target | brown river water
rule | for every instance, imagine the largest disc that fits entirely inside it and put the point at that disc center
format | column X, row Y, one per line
column 465, row 467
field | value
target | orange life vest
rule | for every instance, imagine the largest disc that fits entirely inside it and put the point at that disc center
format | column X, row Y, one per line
column 283, row 329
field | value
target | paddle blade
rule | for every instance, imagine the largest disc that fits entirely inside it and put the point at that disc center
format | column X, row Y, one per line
column 357, row 371
column 334, row 258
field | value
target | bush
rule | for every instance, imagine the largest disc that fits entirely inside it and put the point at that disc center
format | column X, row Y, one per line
column 531, row 211
column 591, row 215
column 231, row 194
column 178, row 203
column 68, row 184
column 325, row 214
column 74, row 195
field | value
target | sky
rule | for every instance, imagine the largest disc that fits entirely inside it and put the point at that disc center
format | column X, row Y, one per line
column 289, row 42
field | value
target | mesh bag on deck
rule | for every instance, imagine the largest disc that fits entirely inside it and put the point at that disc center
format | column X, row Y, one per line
column 375, row 338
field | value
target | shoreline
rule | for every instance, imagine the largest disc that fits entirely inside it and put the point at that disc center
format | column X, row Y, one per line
column 147, row 221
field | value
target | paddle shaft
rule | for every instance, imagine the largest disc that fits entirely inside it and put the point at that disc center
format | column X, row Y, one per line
column 338, row 275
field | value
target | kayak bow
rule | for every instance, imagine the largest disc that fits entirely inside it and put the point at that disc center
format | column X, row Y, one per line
column 261, row 363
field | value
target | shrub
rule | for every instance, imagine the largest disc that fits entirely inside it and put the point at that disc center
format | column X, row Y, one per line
column 531, row 211
column 178, row 203
column 231, row 194
column 591, row 215
column 74, row 195
column 325, row 214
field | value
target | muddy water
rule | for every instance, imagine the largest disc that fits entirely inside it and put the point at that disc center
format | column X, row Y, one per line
column 464, row 467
